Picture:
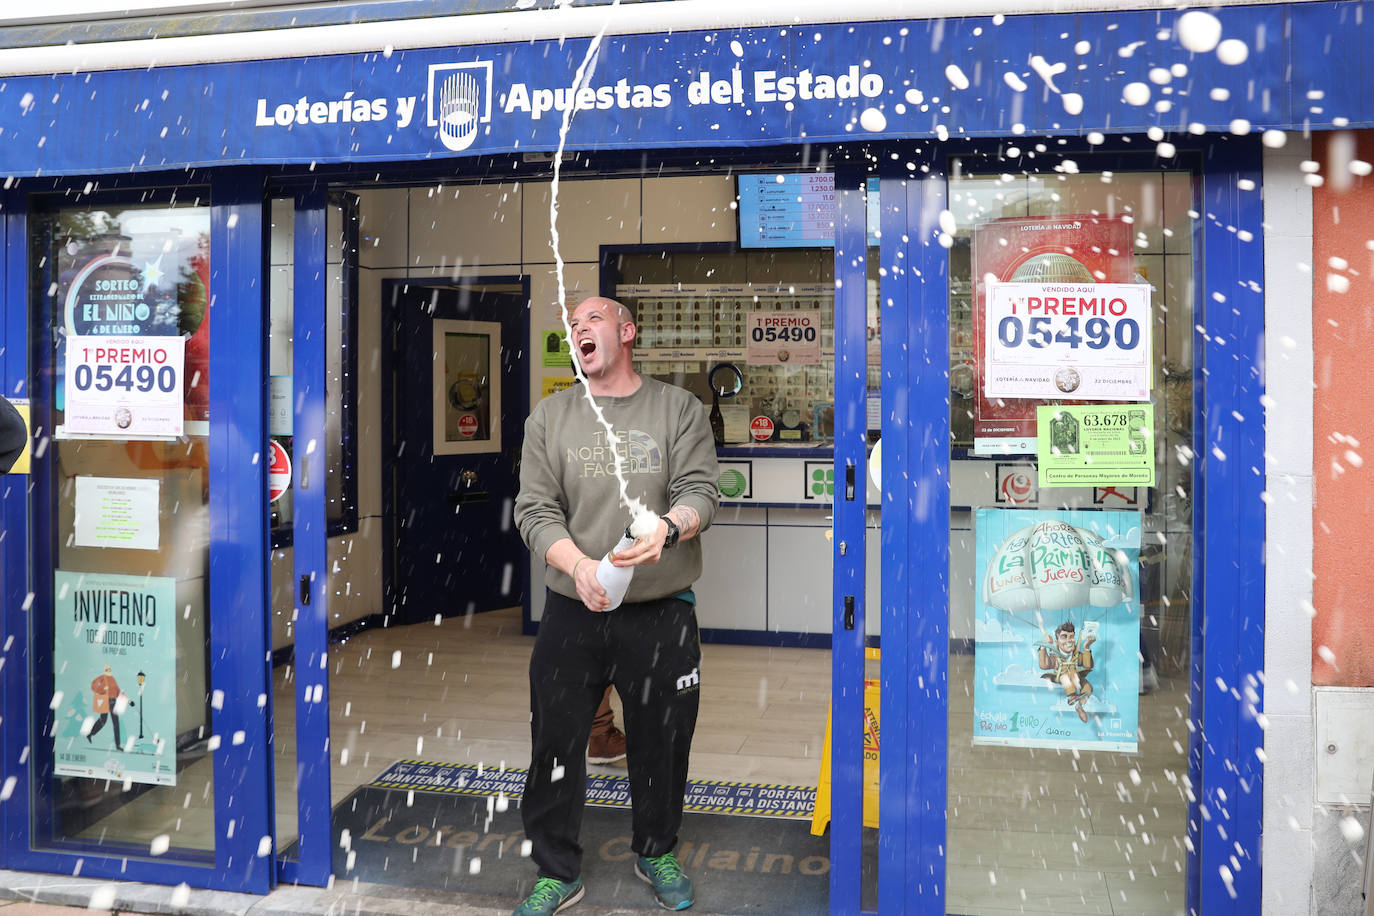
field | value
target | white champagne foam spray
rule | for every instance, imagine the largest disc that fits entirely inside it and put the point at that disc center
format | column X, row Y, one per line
column 644, row 520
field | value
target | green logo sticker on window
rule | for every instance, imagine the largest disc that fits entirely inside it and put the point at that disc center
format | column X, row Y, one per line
column 732, row 484
column 820, row 480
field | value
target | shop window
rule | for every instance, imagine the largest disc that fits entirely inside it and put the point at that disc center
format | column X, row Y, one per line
column 1097, row 676
column 341, row 334
column 119, row 670
column 749, row 332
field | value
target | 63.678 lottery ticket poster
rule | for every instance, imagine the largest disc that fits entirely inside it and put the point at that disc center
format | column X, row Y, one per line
column 1046, row 349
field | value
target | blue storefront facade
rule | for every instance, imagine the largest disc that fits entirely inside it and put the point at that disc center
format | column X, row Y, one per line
column 210, row 158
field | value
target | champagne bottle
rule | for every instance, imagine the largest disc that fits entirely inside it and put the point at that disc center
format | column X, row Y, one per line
column 616, row 579
column 717, row 421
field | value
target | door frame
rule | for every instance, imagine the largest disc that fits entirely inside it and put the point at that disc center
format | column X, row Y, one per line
column 1228, row 535
column 238, row 584
column 390, row 288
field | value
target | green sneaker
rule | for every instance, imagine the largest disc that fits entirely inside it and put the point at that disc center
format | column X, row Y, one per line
column 551, row 896
column 672, row 888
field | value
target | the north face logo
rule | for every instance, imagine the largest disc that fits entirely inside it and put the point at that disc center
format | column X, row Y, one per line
column 689, row 681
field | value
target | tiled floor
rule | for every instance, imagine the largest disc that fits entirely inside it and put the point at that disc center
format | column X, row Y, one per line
column 1029, row 831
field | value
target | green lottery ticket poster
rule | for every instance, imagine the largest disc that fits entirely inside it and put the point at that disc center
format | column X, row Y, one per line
column 114, row 663
column 1096, row 445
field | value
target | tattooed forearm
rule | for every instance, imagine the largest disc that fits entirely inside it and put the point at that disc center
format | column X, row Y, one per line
column 687, row 519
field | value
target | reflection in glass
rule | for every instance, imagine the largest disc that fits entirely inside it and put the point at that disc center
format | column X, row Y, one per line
column 1064, row 820
column 119, row 672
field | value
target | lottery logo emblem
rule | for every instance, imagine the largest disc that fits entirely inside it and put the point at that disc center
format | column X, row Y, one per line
column 459, row 102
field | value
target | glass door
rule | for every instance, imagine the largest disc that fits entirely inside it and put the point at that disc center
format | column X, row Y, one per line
column 300, row 495
column 1071, row 587
column 138, row 711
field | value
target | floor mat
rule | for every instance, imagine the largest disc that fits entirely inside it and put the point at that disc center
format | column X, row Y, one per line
column 472, row 844
column 603, row 789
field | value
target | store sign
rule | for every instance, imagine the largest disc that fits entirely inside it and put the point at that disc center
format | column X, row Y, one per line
column 125, row 387
column 1087, row 341
column 784, row 338
column 766, row 85
column 114, row 663
column 1057, row 629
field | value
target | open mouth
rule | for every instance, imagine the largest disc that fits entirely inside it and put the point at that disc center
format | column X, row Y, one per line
column 586, row 346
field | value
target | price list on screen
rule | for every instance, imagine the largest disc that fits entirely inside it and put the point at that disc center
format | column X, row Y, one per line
column 787, row 211
column 794, row 210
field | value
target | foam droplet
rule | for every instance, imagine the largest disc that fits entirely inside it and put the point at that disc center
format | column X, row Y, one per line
column 1136, row 94
column 1199, row 32
column 873, row 120
column 1233, row 52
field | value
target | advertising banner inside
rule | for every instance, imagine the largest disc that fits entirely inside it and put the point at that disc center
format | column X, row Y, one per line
column 1057, row 629
column 114, row 663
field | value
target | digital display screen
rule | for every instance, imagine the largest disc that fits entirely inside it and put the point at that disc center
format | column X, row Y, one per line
column 794, row 210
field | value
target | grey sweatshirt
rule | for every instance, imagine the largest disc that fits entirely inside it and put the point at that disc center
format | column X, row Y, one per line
column 568, row 486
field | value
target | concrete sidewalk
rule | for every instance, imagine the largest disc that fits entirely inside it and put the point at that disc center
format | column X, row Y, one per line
column 30, row 894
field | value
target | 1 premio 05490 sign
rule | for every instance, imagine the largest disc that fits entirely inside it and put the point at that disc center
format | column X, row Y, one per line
column 127, row 387
column 1086, row 341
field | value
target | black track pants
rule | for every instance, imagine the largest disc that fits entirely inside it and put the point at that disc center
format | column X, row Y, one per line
column 651, row 652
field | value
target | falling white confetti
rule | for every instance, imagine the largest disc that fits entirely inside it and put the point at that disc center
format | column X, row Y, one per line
column 1073, row 103
column 736, row 48
column 956, row 77
column 160, row 844
column 102, row 898
column 1014, row 81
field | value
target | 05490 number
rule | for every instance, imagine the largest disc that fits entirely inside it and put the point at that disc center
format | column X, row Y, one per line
column 1097, row 333
column 771, row 335
column 104, row 378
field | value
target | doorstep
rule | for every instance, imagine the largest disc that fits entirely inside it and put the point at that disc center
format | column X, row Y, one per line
column 353, row 899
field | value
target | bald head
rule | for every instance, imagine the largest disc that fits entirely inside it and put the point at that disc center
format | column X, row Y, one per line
column 621, row 312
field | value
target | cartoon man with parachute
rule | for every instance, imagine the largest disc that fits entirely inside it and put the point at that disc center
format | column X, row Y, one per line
column 1051, row 565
